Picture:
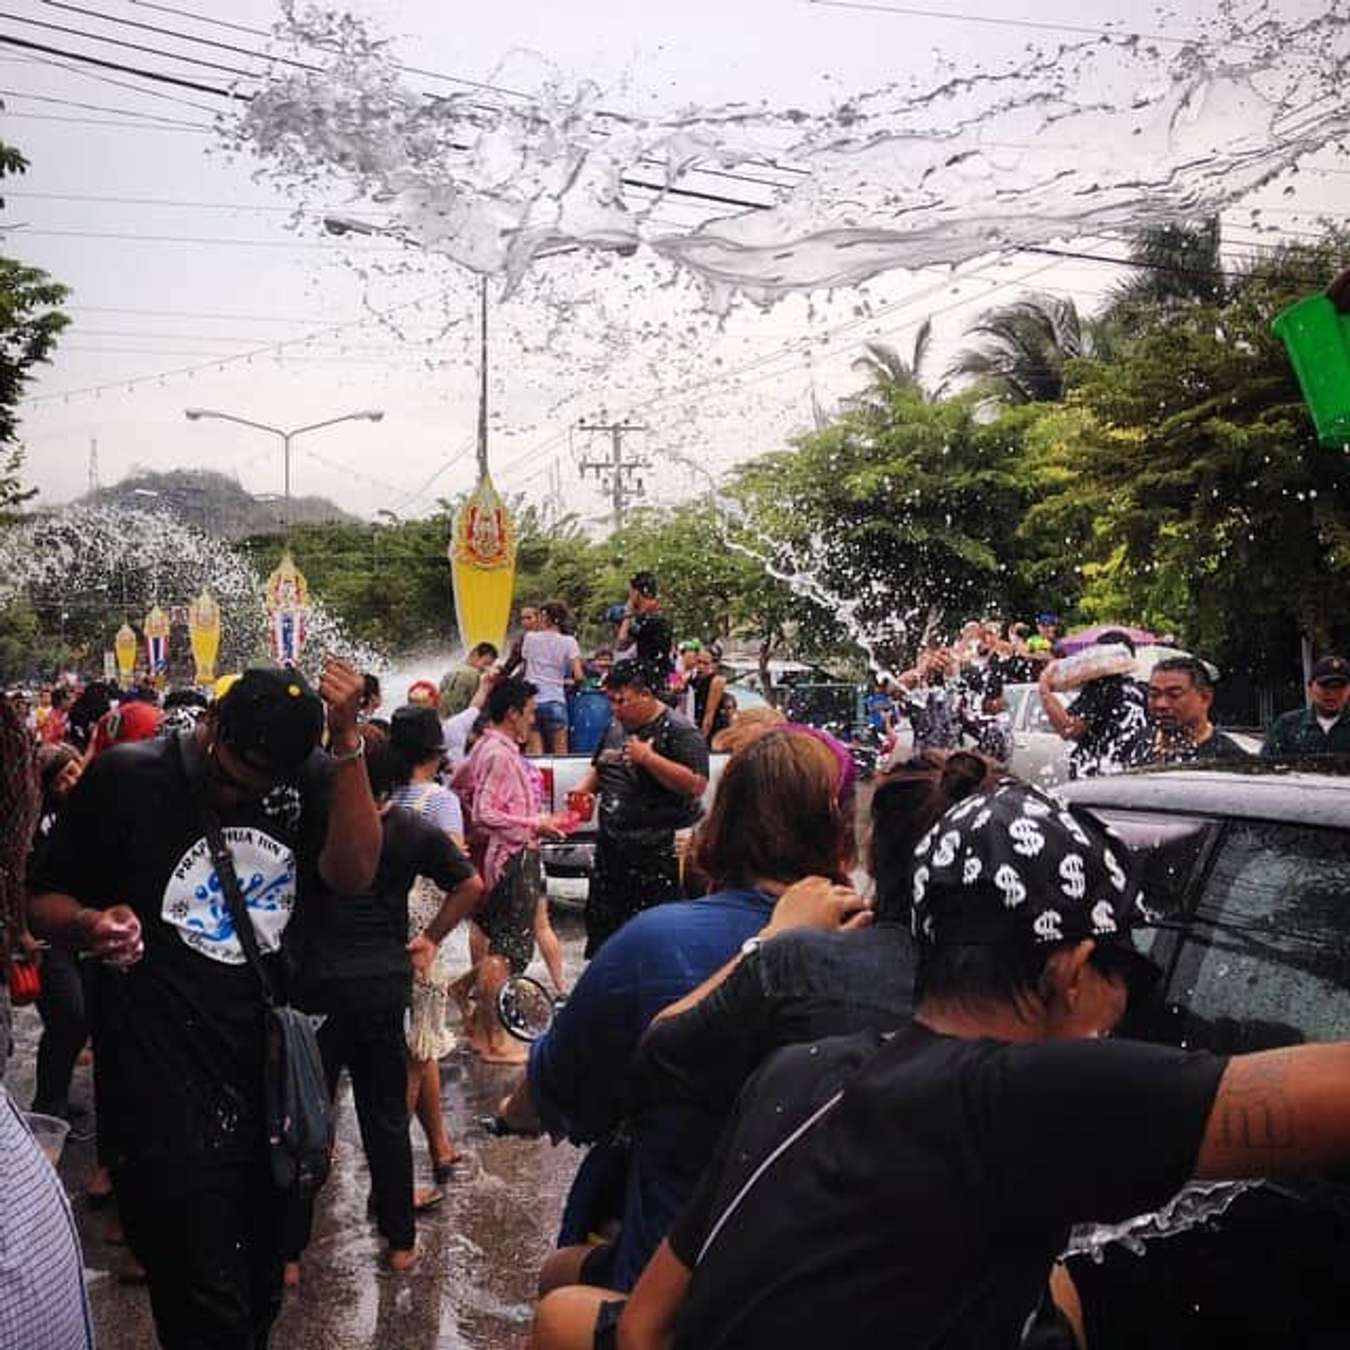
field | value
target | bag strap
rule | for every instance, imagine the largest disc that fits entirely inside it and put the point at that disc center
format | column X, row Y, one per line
column 223, row 861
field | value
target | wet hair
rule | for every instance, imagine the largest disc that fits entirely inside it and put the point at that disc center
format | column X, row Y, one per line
column 1187, row 665
column 507, row 697
column 557, row 613
column 905, row 805
column 60, row 696
column 484, row 649
column 1116, row 637
column 370, row 687
column 775, row 815
column 645, row 583
column 628, row 675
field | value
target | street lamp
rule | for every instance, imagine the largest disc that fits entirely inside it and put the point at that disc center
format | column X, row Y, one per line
column 367, row 415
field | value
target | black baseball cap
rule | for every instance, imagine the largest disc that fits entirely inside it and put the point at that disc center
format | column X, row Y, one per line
column 272, row 716
column 1017, row 864
column 1331, row 670
column 416, row 730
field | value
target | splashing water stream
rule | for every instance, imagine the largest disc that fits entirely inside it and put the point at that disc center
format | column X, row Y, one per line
column 105, row 564
column 1087, row 137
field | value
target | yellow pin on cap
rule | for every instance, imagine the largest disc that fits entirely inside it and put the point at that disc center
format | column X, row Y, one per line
column 293, row 690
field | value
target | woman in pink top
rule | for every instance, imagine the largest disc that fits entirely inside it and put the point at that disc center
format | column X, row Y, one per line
column 500, row 791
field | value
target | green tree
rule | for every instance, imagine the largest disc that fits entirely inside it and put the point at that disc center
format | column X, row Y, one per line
column 903, row 518
column 1024, row 349
column 1192, row 490
column 1176, row 265
column 29, row 324
column 888, row 373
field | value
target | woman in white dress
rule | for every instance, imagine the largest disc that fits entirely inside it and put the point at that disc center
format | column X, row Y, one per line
column 416, row 739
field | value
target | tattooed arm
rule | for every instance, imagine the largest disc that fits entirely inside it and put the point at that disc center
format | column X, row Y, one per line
column 1278, row 1112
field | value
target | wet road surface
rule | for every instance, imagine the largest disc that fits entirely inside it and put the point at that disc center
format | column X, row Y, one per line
column 480, row 1251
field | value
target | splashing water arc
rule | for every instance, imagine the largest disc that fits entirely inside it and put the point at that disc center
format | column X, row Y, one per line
column 1099, row 135
column 104, row 564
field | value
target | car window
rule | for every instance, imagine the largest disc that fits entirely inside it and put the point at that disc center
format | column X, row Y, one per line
column 1164, row 850
column 1036, row 718
column 1268, row 957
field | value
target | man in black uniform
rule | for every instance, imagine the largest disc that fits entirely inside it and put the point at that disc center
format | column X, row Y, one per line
column 179, row 1036
column 646, row 635
column 650, row 771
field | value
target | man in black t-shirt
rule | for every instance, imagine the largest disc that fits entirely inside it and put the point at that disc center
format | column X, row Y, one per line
column 649, row 772
column 916, row 1189
column 1180, row 694
column 179, row 1033
column 646, row 636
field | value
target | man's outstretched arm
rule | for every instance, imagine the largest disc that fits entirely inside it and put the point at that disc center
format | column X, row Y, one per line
column 1279, row 1112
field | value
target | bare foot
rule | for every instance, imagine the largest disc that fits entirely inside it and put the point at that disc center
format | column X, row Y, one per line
column 290, row 1275
column 400, row 1258
column 425, row 1198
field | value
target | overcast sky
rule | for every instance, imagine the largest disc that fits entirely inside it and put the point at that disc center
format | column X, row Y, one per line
column 178, row 261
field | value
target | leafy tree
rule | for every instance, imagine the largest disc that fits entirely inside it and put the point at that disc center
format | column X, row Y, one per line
column 1192, row 488
column 1025, row 347
column 888, row 372
column 29, row 324
column 1177, row 265
column 902, row 518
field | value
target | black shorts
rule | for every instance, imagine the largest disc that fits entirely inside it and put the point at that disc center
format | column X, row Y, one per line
column 507, row 918
column 607, row 1324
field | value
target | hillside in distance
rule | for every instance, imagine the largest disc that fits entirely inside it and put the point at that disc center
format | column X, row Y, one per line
column 213, row 502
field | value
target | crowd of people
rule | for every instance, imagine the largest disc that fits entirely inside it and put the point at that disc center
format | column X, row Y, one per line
column 787, row 1043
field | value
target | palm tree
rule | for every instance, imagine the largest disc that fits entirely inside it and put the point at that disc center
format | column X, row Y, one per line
column 1177, row 265
column 1025, row 346
column 889, row 373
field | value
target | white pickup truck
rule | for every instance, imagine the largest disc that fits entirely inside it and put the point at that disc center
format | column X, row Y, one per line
column 567, row 865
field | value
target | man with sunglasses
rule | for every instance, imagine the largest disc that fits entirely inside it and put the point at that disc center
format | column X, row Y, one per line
column 915, row 1189
column 179, row 1032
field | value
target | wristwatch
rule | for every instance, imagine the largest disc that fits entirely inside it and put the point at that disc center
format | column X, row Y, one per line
column 750, row 946
column 358, row 753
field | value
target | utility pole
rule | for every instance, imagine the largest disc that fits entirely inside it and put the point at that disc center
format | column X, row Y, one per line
column 617, row 474
column 93, row 465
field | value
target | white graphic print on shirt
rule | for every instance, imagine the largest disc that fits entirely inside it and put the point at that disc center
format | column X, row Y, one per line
column 195, row 905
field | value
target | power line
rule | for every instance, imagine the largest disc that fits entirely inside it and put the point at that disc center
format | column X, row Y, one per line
column 618, row 474
column 1040, row 26
column 128, row 46
column 90, row 107
column 235, row 357
column 108, row 80
column 159, row 77
column 102, row 122
column 127, row 237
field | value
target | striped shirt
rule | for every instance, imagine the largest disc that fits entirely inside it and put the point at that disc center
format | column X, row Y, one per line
column 42, row 1298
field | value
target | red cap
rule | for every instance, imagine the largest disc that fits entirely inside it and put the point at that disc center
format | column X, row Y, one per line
column 132, row 721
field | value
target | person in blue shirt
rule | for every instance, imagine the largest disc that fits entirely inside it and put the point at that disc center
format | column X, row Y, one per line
column 775, row 821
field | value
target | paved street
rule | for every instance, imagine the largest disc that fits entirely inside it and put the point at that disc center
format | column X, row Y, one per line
column 480, row 1251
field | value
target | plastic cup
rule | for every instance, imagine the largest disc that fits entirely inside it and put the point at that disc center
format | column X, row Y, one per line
column 50, row 1133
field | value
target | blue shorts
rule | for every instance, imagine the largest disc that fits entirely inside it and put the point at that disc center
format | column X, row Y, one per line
column 551, row 716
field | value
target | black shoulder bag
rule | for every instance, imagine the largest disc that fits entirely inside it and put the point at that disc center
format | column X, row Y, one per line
column 297, row 1114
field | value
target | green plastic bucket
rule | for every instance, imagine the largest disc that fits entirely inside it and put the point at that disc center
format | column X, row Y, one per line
column 1317, row 336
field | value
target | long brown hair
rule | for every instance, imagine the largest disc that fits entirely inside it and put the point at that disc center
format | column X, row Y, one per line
column 775, row 816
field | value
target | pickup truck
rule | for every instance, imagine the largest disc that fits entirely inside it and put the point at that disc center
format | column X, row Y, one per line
column 567, row 865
